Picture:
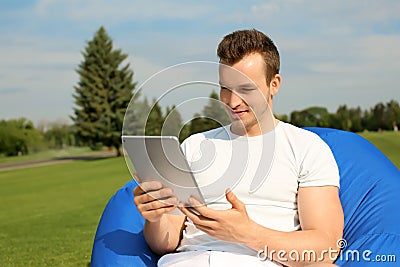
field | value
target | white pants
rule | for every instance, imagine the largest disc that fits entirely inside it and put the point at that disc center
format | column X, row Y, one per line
column 211, row 259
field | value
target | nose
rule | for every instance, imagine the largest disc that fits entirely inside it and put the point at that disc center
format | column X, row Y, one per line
column 232, row 99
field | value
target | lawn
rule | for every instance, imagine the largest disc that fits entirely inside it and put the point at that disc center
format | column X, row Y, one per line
column 48, row 215
column 387, row 142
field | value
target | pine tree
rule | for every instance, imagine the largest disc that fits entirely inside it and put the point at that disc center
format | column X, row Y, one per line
column 173, row 122
column 214, row 113
column 102, row 94
column 154, row 120
column 135, row 117
column 197, row 124
column 185, row 132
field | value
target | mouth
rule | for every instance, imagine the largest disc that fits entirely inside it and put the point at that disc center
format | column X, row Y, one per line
column 238, row 113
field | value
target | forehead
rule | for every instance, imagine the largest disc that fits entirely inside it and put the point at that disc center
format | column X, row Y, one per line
column 248, row 71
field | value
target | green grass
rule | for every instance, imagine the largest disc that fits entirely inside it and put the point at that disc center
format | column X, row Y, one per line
column 49, row 215
column 387, row 142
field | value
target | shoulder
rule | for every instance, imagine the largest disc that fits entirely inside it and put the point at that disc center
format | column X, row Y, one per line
column 298, row 133
column 300, row 139
column 314, row 158
column 219, row 132
column 192, row 143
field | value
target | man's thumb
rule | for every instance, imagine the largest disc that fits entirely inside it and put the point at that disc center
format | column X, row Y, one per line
column 232, row 198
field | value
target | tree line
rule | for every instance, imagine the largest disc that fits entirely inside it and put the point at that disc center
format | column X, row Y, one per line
column 170, row 122
column 383, row 116
column 20, row 136
column 105, row 89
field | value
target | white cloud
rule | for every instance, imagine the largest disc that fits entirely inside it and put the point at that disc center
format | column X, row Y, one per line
column 38, row 74
column 266, row 9
column 367, row 56
column 34, row 62
column 338, row 17
column 360, row 12
column 121, row 10
column 332, row 51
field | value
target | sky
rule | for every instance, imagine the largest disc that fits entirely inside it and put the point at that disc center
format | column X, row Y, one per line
column 332, row 52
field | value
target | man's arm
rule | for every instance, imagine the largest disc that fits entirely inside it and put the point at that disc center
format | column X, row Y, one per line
column 162, row 231
column 321, row 219
column 163, row 236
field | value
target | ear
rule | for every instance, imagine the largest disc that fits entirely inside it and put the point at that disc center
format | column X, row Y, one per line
column 275, row 84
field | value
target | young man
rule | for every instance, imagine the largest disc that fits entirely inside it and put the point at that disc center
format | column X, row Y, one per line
column 283, row 206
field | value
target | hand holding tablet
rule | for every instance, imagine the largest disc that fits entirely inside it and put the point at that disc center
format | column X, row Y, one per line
column 162, row 168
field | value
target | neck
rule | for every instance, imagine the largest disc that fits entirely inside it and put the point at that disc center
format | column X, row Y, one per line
column 255, row 130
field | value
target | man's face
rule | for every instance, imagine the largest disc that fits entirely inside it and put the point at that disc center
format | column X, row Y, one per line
column 245, row 93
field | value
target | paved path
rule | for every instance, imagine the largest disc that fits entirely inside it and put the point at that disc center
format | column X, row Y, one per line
column 89, row 156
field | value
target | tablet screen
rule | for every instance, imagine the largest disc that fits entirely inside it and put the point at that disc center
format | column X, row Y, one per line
column 160, row 158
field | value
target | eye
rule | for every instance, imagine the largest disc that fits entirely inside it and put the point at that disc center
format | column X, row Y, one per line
column 223, row 87
column 246, row 90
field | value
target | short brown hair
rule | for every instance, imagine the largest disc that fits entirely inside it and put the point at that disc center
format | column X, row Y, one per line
column 238, row 44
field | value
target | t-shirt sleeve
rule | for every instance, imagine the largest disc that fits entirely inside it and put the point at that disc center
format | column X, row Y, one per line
column 185, row 147
column 318, row 167
column 190, row 146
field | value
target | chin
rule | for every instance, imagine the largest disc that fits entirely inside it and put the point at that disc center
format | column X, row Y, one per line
column 239, row 123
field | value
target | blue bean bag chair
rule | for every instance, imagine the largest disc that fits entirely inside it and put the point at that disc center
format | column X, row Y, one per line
column 369, row 192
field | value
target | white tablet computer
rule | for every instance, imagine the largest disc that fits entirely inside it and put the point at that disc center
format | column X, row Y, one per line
column 161, row 158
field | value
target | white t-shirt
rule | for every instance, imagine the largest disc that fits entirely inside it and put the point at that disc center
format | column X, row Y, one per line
column 264, row 172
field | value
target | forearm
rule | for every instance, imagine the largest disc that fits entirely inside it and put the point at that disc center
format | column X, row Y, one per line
column 164, row 235
column 298, row 248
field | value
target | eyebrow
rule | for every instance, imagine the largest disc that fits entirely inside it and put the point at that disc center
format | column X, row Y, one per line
column 243, row 85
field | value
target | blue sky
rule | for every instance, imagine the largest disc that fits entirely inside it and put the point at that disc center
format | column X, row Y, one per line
column 332, row 52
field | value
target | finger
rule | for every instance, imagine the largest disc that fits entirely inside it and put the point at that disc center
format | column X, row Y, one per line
column 157, row 204
column 192, row 216
column 136, row 177
column 203, row 209
column 158, row 212
column 146, row 187
column 151, row 186
column 154, row 195
column 197, row 219
column 234, row 200
column 196, row 201
column 206, row 229
column 137, row 191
